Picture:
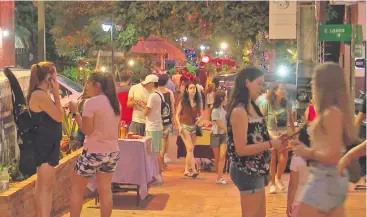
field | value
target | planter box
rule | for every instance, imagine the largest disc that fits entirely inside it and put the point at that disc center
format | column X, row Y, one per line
column 18, row 201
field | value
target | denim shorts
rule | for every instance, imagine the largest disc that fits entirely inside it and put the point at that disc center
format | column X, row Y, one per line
column 247, row 184
column 325, row 188
column 137, row 128
column 217, row 139
column 189, row 128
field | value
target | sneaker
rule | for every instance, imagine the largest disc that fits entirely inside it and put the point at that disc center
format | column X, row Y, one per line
column 280, row 184
column 159, row 179
column 221, row 181
column 166, row 159
column 273, row 189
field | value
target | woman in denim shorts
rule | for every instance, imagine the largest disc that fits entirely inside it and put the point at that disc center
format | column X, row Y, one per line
column 326, row 191
column 218, row 136
column 248, row 142
column 101, row 116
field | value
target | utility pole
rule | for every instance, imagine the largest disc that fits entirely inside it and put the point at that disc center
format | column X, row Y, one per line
column 41, row 31
column 306, row 52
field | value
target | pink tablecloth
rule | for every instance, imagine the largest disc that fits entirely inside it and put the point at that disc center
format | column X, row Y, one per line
column 137, row 165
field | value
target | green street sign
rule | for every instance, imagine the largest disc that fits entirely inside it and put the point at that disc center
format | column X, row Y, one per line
column 335, row 32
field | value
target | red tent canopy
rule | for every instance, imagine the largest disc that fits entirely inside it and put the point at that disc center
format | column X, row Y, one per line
column 156, row 45
column 223, row 61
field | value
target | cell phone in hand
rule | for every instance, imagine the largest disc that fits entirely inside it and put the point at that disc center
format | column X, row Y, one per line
column 49, row 81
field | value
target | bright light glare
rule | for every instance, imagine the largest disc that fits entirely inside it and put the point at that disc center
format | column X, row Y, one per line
column 5, row 33
column 223, row 45
column 290, row 51
column 220, row 52
column 282, row 71
column 106, row 27
column 131, row 62
column 103, row 69
column 80, row 68
column 202, row 47
column 184, row 38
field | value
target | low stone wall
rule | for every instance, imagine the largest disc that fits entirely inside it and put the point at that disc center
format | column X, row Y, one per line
column 18, row 201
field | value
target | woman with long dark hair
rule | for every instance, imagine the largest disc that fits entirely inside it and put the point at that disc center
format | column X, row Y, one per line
column 99, row 123
column 218, row 136
column 278, row 115
column 47, row 114
column 188, row 117
column 249, row 143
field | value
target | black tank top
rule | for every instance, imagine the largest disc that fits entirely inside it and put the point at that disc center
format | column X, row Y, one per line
column 49, row 131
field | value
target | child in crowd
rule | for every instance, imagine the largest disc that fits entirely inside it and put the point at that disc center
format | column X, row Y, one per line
column 299, row 172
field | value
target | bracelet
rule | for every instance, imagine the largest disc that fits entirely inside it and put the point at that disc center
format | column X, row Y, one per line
column 271, row 146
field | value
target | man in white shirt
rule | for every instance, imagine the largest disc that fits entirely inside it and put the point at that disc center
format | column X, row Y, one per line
column 137, row 99
column 154, row 125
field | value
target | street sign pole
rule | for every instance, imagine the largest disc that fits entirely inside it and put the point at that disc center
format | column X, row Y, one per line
column 352, row 66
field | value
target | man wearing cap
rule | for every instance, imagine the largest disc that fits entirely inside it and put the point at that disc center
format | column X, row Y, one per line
column 137, row 99
column 154, row 123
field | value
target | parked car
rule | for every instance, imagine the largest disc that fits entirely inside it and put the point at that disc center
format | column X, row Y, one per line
column 69, row 90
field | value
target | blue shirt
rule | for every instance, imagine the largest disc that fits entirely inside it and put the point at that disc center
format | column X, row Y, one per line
column 170, row 85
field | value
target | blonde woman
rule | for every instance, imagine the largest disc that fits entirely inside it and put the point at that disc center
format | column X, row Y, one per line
column 325, row 192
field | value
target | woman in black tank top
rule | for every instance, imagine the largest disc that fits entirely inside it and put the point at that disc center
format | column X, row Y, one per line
column 47, row 115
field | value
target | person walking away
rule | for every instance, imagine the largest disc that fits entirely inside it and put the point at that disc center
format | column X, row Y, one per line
column 189, row 117
column 249, row 143
column 279, row 115
column 210, row 95
column 202, row 74
column 326, row 191
column 137, row 99
column 167, row 116
column 218, row 136
column 47, row 114
column 299, row 172
column 154, row 126
column 123, row 89
column 100, row 154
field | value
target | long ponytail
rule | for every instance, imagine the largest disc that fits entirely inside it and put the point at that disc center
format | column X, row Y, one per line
column 108, row 87
column 39, row 73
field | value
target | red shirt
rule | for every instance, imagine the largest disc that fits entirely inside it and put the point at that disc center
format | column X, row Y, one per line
column 311, row 113
column 126, row 112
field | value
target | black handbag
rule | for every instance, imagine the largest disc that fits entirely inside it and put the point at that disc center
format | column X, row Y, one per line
column 199, row 131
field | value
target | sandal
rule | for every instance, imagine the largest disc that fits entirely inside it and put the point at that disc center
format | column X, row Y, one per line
column 194, row 175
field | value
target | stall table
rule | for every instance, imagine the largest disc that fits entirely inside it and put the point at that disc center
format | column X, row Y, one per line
column 136, row 169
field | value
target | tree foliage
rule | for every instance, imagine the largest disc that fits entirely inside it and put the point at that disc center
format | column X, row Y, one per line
column 78, row 24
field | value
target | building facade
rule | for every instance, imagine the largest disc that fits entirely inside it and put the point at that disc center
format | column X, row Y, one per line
column 7, row 34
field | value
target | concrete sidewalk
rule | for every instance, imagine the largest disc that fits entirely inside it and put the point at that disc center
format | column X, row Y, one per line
column 180, row 196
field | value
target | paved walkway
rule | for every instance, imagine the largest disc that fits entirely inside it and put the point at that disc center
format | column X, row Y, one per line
column 180, row 196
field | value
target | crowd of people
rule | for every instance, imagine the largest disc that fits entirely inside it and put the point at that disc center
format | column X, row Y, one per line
column 256, row 132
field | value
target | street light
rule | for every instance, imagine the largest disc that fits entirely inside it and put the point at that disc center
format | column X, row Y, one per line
column 223, row 45
column 5, row 33
column 103, row 69
column 131, row 62
column 282, row 71
column 202, row 47
column 106, row 28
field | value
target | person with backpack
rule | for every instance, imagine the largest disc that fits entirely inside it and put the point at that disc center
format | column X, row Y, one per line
column 47, row 114
column 167, row 114
column 153, row 122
